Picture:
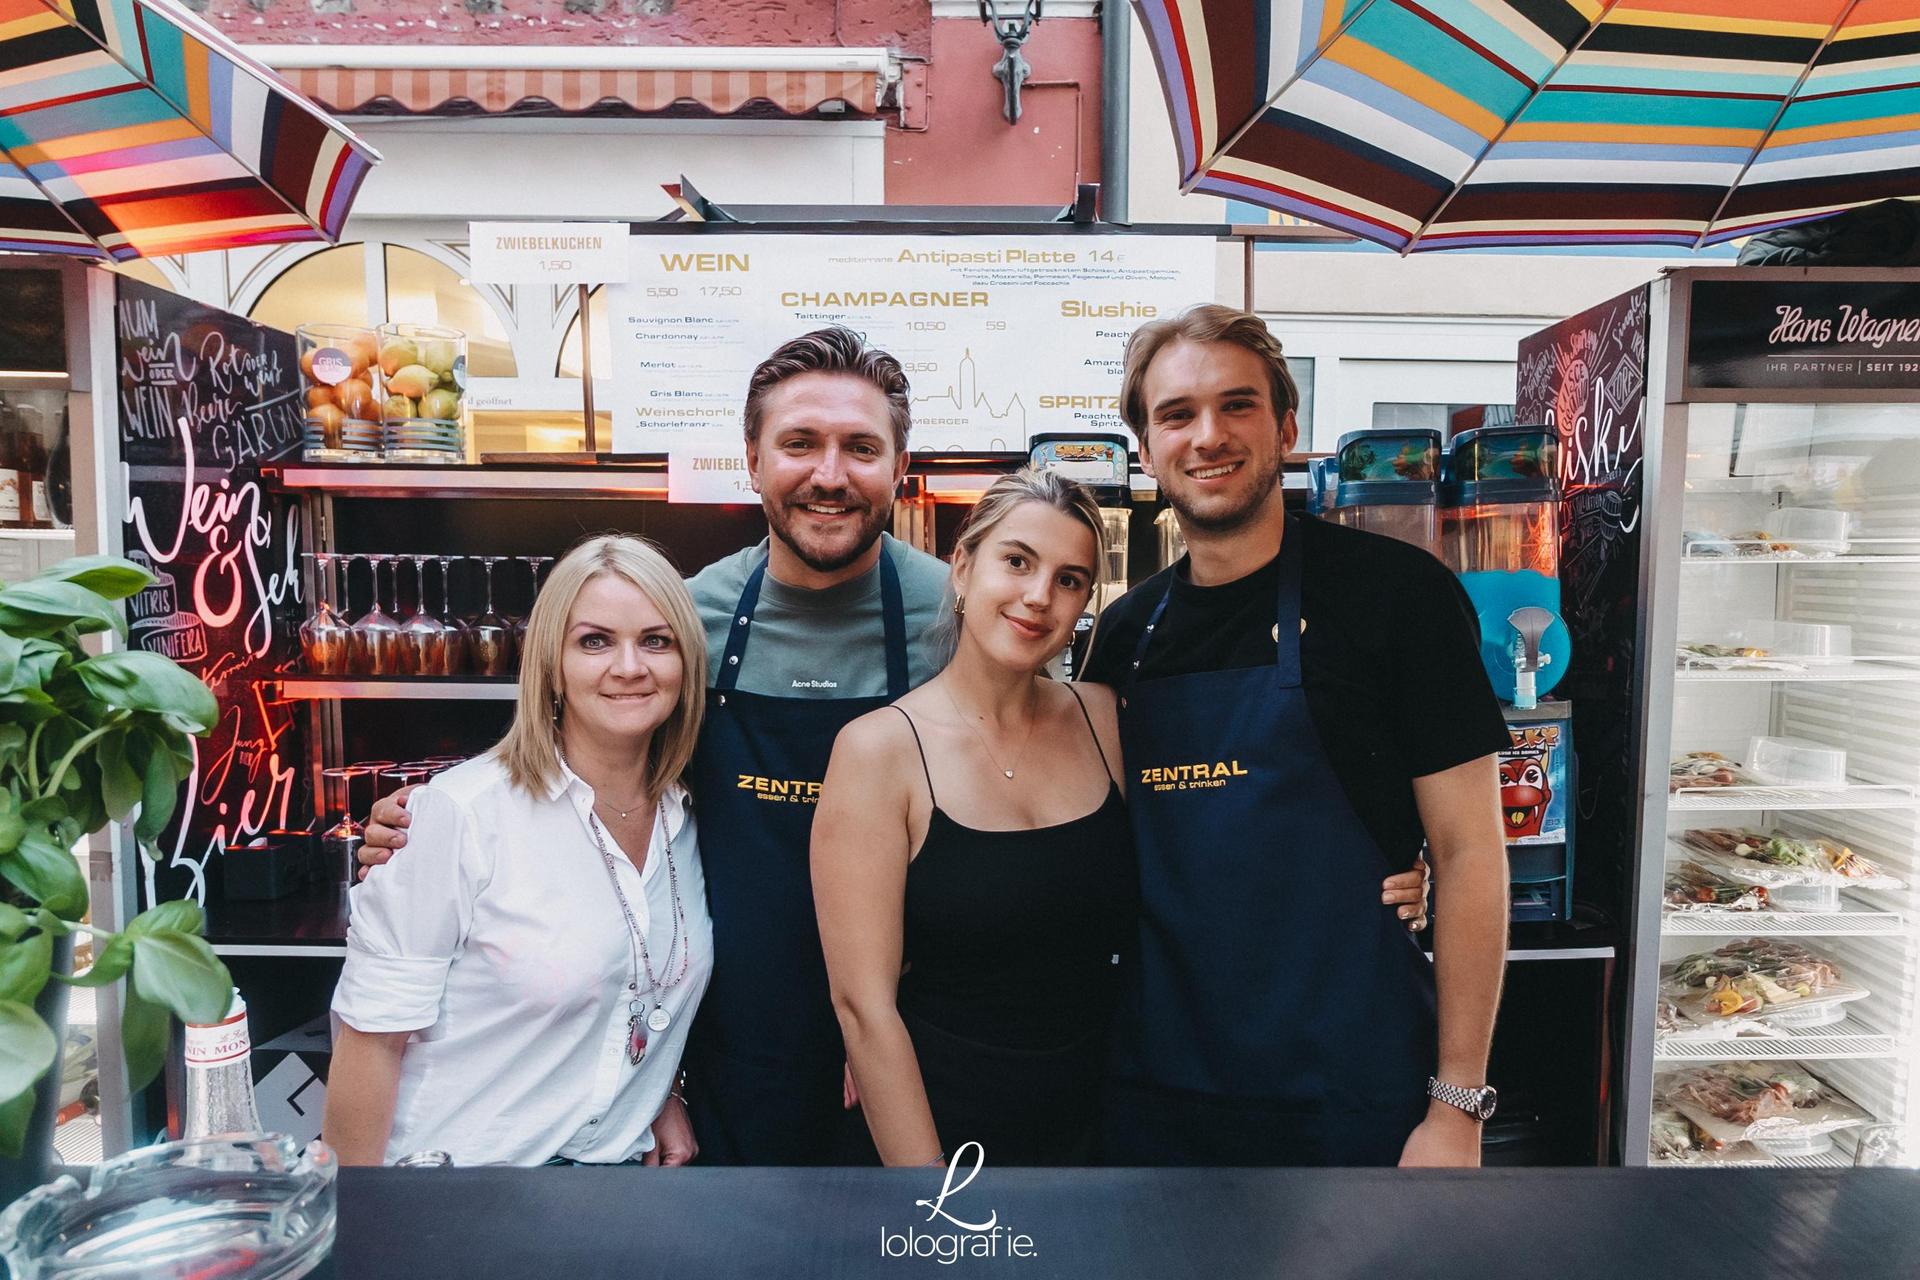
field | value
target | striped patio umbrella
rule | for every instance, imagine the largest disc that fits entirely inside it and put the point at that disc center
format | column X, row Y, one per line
column 1441, row 124
column 129, row 128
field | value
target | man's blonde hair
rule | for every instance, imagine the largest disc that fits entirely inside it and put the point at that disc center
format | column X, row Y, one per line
column 1207, row 322
column 531, row 749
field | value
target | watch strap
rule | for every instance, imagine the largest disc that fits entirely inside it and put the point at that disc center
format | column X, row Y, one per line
column 1475, row 1102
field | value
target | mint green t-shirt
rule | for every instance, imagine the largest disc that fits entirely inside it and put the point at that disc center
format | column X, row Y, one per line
column 821, row 644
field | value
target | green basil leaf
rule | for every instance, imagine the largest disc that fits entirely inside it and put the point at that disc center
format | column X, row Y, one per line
column 111, row 960
column 181, row 972
column 181, row 915
column 48, row 873
column 27, row 1047
column 46, row 606
column 143, row 1038
column 13, row 829
column 119, row 784
column 159, row 794
column 109, row 576
column 11, row 649
column 13, row 922
column 142, row 681
column 24, row 966
column 16, row 1116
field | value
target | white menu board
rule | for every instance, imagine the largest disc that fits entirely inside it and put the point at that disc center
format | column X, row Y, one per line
column 1002, row 337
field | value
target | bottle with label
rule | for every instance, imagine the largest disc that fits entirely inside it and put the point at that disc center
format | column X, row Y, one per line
column 32, row 462
column 219, row 1076
column 9, row 467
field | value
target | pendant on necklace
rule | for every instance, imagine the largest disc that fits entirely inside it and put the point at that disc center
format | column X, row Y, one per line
column 1008, row 772
column 659, row 1019
column 636, row 1040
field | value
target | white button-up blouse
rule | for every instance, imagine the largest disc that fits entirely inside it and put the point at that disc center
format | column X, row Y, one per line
column 496, row 938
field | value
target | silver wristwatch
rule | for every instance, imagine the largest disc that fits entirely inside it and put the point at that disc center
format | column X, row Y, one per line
column 1478, row 1103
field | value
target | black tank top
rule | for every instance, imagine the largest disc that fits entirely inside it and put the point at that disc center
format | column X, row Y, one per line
column 1014, row 938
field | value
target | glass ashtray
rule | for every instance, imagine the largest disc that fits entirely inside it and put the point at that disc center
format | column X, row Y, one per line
column 241, row 1206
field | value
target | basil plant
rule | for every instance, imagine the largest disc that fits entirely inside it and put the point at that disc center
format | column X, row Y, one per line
column 85, row 740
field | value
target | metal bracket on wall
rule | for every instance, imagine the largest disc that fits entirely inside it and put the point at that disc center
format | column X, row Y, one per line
column 1012, row 31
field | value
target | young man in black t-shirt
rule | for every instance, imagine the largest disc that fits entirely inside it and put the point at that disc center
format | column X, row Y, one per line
column 1274, row 1016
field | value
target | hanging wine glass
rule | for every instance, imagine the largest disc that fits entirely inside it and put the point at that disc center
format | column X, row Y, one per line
column 324, row 635
column 375, row 636
column 490, row 637
column 453, row 652
column 533, row 590
column 423, row 639
column 340, row 842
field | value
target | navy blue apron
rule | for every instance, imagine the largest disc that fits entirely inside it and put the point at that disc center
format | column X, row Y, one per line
column 764, row 1058
column 1278, row 1012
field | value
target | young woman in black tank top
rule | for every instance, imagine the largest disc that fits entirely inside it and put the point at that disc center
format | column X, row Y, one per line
column 972, row 865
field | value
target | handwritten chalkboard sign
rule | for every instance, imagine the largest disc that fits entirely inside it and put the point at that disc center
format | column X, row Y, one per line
column 205, row 398
column 1587, row 376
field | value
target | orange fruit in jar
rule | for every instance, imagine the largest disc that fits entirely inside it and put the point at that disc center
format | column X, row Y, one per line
column 306, row 362
column 355, row 396
column 365, row 349
column 318, row 395
column 329, row 419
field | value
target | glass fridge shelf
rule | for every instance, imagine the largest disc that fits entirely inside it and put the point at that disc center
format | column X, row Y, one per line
column 1817, row 670
column 1855, row 795
column 1859, row 551
column 1850, row 1039
column 1740, row 924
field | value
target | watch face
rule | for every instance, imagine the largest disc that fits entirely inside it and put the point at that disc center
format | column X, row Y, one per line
column 1489, row 1100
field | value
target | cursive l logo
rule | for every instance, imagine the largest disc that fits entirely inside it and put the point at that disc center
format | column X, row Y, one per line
column 947, row 1188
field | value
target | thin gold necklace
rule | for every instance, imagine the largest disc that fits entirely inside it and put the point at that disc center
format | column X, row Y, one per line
column 1032, row 717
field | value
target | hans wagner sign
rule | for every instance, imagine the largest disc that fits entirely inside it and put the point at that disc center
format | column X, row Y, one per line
column 1804, row 335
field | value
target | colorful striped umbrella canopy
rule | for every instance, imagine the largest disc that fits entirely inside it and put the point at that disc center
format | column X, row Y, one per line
column 129, row 128
column 1442, row 124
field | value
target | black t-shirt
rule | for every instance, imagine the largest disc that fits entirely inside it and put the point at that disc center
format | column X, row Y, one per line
column 1389, row 659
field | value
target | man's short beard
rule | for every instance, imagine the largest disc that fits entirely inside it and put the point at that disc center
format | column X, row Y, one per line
column 869, row 534
column 1227, row 521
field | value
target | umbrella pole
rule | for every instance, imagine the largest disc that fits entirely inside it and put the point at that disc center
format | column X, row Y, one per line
column 586, row 370
column 1246, row 273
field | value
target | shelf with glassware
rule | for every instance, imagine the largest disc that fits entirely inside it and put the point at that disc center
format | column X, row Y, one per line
column 1784, row 984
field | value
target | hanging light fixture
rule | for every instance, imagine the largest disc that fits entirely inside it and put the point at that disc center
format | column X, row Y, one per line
column 1012, row 31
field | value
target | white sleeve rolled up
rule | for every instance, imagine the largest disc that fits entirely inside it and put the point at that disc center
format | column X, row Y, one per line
column 410, row 919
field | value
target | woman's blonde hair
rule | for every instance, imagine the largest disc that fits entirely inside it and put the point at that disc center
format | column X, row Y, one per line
column 531, row 749
column 1001, row 499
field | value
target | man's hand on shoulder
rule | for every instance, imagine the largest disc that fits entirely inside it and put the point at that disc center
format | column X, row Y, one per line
column 386, row 830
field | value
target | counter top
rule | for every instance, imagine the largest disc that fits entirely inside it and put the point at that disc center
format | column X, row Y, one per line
column 1567, row 1224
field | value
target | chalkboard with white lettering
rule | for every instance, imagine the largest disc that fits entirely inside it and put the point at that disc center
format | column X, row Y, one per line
column 205, row 398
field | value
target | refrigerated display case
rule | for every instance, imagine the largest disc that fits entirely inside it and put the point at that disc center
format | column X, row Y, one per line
column 1773, row 930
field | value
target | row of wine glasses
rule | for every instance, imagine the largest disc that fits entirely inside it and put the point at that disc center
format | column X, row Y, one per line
column 341, row 840
column 426, row 642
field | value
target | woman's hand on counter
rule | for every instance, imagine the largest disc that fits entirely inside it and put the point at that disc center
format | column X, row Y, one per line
column 673, row 1142
column 386, row 830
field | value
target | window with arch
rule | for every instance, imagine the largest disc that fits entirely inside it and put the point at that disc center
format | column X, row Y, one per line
column 328, row 287
column 423, row 290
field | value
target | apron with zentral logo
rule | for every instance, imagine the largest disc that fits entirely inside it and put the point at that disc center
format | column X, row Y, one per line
column 764, row 1059
column 1279, row 1012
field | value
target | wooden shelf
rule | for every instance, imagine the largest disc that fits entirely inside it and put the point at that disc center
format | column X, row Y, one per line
column 458, row 689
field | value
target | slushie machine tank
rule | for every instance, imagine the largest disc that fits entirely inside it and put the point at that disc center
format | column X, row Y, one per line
column 1388, row 482
column 1102, row 464
column 1500, row 526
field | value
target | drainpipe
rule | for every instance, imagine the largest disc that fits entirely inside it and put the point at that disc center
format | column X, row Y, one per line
column 1115, row 27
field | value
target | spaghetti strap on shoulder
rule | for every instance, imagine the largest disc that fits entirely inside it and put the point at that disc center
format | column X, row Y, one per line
column 921, row 748
column 1090, row 729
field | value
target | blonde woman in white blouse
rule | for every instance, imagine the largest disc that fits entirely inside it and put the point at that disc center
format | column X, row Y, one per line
column 518, row 988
